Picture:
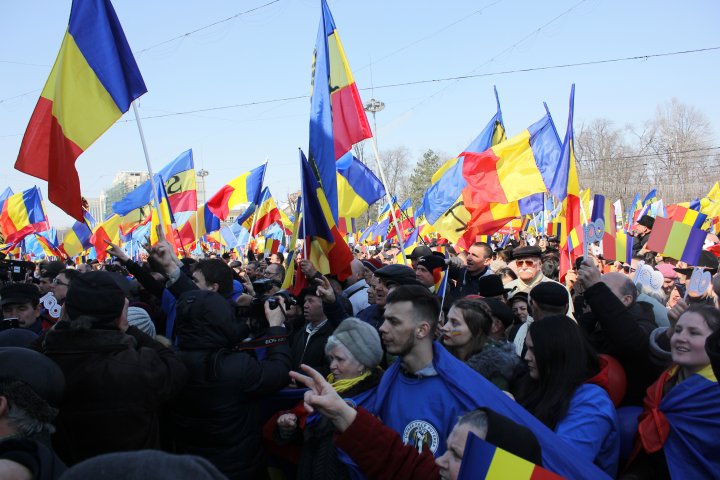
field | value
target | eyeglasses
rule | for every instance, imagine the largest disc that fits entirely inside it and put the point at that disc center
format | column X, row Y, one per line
column 526, row 263
column 58, row 282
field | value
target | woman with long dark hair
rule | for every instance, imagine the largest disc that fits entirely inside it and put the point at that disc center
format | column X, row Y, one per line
column 566, row 387
column 466, row 334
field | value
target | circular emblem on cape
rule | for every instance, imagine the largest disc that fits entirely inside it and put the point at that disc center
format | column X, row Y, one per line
column 422, row 436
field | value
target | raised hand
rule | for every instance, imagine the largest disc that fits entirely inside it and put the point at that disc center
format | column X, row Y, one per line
column 322, row 397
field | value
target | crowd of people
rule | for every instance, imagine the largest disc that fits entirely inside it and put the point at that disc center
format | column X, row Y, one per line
column 207, row 368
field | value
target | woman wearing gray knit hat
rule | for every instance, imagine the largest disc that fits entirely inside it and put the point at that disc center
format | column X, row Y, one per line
column 354, row 350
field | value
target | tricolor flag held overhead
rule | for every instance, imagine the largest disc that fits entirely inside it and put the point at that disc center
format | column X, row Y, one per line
column 22, row 214
column 516, row 168
column 358, row 188
column 324, row 244
column 676, row 240
column 571, row 239
column 337, row 116
column 93, row 82
column 244, row 189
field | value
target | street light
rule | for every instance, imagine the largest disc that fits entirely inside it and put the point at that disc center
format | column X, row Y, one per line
column 374, row 106
column 202, row 173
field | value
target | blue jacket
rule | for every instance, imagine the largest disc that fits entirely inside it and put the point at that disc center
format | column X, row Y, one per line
column 591, row 425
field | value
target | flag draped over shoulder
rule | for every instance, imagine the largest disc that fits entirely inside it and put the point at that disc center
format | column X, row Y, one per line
column 246, row 188
column 337, row 116
column 93, row 82
column 22, row 214
column 324, row 244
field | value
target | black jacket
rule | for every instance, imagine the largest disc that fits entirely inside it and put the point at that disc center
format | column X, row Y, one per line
column 312, row 352
column 217, row 414
column 115, row 385
column 623, row 333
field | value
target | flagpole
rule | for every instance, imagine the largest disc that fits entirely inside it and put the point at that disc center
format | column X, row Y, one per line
column 389, row 199
column 149, row 166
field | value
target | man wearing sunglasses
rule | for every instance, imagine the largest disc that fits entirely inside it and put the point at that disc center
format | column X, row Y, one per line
column 528, row 263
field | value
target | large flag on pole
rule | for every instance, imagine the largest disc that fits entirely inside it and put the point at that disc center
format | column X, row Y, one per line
column 337, row 116
column 93, row 82
column 246, row 188
column 22, row 214
column 325, row 246
column 571, row 239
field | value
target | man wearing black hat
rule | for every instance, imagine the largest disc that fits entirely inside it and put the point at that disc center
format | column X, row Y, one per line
column 31, row 387
column 428, row 271
column 117, row 377
column 643, row 228
column 389, row 277
column 528, row 261
column 417, row 253
column 21, row 306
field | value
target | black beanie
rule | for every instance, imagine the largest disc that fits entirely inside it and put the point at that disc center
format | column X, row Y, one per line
column 97, row 295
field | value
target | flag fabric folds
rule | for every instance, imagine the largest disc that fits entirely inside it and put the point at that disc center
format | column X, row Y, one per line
column 93, row 82
column 484, row 460
column 264, row 215
column 246, row 188
column 201, row 222
column 108, row 230
column 676, row 240
column 162, row 215
column 324, row 244
column 77, row 239
column 337, row 116
column 22, row 214
column 604, row 210
column 515, row 168
column 686, row 215
column 358, row 188
column 290, row 260
column 572, row 238
column 178, row 178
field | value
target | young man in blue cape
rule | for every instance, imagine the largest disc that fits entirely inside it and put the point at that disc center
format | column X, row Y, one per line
column 424, row 392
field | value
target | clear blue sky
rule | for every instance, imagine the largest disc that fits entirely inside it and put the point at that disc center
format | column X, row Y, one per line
column 266, row 55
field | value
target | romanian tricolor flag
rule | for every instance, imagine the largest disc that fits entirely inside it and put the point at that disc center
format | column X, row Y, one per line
column 93, row 82
column 265, row 215
column 358, row 188
column 201, row 222
column 244, row 189
column 337, row 116
column 49, row 242
column 554, row 228
column 443, row 202
column 22, row 214
column 603, row 209
column 623, row 248
column 272, row 245
column 109, row 230
column 686, row 215
column 571, row 245
column 290, row 259
column 324, row 244
column 166, row 217
column 484, row 460
column 178, row 178
column 516, row 168
column 77, row 239
column 676, row 240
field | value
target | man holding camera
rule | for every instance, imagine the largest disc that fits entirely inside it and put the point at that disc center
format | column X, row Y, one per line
column 21, row 307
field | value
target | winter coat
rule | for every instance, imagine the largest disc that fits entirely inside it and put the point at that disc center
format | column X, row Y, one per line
column 312, row 446
column 216, row 416
column 115, row 385
column 496, row 362
column 624, row 333
column 591, row 423
column 310, row 349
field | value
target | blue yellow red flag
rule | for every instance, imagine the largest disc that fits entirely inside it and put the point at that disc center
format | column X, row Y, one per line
column 22, row 214
column 337, row 116
column 93, row 82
